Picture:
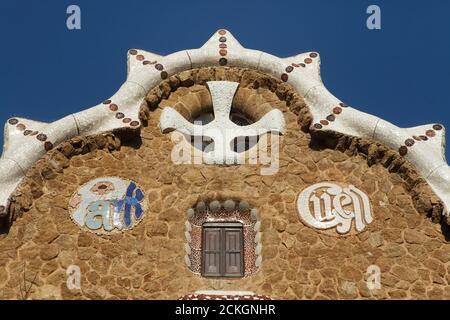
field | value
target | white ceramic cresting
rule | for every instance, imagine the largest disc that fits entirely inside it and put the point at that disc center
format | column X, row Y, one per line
column 26, row 141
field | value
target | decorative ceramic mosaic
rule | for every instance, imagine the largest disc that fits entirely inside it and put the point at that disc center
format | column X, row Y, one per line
column 327, row 205
column 108, row 204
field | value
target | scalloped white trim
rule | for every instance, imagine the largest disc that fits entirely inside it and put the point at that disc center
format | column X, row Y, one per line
column 21, row 152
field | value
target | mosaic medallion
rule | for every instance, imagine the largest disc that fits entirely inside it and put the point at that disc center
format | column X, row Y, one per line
column 108, row 204
column 327, row 205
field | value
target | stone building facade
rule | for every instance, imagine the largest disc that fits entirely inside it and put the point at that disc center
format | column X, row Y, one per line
column 342, row 217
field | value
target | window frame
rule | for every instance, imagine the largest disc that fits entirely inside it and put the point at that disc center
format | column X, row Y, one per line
column 223, row 227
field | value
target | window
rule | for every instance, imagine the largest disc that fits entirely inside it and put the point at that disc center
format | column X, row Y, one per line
column 222, row 250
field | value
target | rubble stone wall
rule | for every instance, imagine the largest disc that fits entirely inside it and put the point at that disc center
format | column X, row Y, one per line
column 40, row 241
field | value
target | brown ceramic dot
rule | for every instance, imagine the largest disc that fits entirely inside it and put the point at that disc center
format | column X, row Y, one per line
column 21, row 127
column 133, row 52
column 48, row 146
column 27, row 132
column 437, row 127
column 416, row 138
column 313, row 55
column 223, row 61
column 317, row 126
column 34, row 133
column 107, row 102
column 13, row 121
column 430, row 133
column 424, row 138
column 164, row 75
column 126, row 120
column 343, row 105
column 159, row 67
column 223, row 45
column 222, row 32
column 289, row 69
column 120, row 115
column 409, row 142
column 331, row 117
column 403, row 150
column 308, row 60
column 223, row 52
column 113, row 107
column 284, row 77
column 295, row 65
column 140, row 57
column 41, row 137
column 134, row 123
column 337, row 110
column 324, row 122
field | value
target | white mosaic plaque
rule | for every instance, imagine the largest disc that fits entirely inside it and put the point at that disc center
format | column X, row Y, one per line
column 327, row 205
column 107, row 204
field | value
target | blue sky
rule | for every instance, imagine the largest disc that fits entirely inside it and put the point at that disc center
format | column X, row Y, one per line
column 400, row 73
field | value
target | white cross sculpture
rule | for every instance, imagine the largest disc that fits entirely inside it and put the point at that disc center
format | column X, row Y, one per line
column 222, row 130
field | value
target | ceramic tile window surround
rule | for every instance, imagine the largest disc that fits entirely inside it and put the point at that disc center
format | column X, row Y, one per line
column 228, row 211
column 23, row 148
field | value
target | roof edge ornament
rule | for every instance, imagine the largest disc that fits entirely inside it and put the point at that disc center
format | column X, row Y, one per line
column 26, row 141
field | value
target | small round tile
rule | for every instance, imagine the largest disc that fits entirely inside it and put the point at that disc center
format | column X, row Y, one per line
column 120, row 115
column 409, row 142
column 403, row 150
column 140, row 57
column 223, row 61
column 48, row 146
column 41, row 137
column 223, row 52
column 27, row 132
column 107, row 102
column 343, row 105
column 146, row 62
column 284, row 77
column 223, row 46
column 222, row 32
column 289, row 69
column 317, row 126
column 134, row 123
column 114, row 107
column 337, row 110
column 303, row 65
column 133, row 52
column 126, row 120
column 430, row 133
column 423, row 138
column 308, row 60
column 13, row 121
column 223, row 39
column 438, row 127
column 164, row 75
column 416, row 138
column 331, row 117
column 295, row 65
column 324, row 122
column 159, row 67
column 313, row 54
column 21, row 127
column 34, row 133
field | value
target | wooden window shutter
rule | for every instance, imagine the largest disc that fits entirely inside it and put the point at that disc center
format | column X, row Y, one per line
column 212, row 252
column 223, row 250
column 233, row 255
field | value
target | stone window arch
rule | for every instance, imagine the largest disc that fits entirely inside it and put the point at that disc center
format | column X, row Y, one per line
column 225, row 212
